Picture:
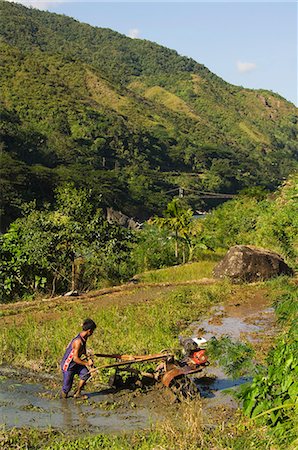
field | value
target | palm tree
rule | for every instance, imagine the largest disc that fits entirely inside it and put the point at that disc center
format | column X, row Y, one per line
column 178, row 221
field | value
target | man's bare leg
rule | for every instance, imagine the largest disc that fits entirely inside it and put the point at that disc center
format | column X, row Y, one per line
column 78, row 394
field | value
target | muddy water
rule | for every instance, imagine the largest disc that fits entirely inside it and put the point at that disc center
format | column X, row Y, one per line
column 28, row 404
column 250, row 321
column 253, row 322
column 218, row 394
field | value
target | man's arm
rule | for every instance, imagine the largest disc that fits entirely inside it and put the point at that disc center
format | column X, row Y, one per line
column 76, row 348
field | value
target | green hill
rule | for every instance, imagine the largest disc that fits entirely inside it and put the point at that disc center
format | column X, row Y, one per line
column 127, row 117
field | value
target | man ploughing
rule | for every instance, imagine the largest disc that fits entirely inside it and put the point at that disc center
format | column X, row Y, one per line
column 72, row 364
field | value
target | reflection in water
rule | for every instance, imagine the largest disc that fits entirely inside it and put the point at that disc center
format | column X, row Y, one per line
column 215, row 381
column 67, row 414
column 229, row 326
column 22, row 405
column 73, row 412
column 235, row 322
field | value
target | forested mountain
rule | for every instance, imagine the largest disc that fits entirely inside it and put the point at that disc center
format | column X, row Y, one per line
column 128, row 118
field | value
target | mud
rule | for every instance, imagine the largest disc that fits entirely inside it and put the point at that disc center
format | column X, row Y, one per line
column 253, row 321
column 49, row 309
column 31, row 405
column 218, row 394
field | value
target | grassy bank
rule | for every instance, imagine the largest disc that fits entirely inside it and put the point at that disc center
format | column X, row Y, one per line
column 147, row 326
column 185, row 272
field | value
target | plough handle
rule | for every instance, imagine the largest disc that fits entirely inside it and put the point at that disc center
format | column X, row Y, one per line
column 132, row 357
column 106, row 355
column 145, row 358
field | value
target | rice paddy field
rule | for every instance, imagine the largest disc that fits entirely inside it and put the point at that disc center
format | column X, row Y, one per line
column 140, row 318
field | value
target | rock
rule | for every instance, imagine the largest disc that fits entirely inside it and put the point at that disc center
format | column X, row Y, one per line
column 249, row 263
column 121, row 219
column 264, row 101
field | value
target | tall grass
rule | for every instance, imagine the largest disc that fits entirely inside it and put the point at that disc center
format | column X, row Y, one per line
column 144, row 327
column 185, row 272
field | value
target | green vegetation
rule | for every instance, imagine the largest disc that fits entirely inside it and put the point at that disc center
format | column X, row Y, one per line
column 90, row 119
column 71, row 246
column 178, row 221
column 143, row 327
column 270, row 401
column 235, row 357
column 181, row 273
column 270, row 222
column 129, row 118
column 188, row 436
column 272, row 398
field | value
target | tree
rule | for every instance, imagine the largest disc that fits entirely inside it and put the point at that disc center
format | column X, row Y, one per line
column 177, row 220
column 46, row 245
column 270, row 222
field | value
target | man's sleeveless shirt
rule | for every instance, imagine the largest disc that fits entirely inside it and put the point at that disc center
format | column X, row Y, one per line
column 67, row 362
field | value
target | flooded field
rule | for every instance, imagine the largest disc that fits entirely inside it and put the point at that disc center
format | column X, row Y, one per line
column 252, row 321
column 30, row 405
column 26, row 402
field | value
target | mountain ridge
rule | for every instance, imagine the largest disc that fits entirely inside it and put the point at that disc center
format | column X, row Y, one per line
column 78, row 98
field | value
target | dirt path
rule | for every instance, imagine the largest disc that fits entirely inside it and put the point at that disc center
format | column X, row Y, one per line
column 115, row 296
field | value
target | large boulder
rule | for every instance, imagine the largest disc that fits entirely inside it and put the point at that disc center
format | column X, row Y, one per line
column 249, row 263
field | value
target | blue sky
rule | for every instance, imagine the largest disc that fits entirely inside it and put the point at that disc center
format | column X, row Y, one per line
column 252, row 44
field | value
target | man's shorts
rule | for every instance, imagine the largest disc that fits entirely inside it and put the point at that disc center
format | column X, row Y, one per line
column 68, row 376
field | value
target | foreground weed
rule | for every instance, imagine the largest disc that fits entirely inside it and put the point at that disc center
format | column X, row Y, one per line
column 272, row 398
column 26, row 438
column 189, row 430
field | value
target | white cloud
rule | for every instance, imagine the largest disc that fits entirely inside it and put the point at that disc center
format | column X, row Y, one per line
column 134, row 33
column 244, row 67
